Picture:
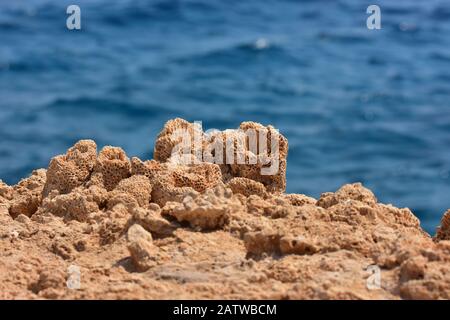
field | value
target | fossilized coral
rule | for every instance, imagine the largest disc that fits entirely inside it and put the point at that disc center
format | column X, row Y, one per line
column 138, row 187
column 443, row 232
column 71, row 170
column 26, row 196
column 111, row 167
column 165, row 229
column 247, row 152
column 172, row 182
column 210, row 210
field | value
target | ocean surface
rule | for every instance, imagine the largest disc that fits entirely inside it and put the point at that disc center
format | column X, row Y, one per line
column 356, row 104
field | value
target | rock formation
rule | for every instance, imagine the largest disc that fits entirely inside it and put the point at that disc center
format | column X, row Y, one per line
column 167, row 228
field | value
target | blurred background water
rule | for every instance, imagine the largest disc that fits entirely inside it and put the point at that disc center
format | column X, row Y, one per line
column 356, row 104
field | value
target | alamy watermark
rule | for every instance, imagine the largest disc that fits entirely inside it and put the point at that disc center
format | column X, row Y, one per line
column 373, row 282
column 73, row 22
column 74, row 277
column 374, row 20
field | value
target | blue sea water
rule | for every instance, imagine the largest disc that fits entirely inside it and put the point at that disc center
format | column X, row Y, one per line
column 356, row 104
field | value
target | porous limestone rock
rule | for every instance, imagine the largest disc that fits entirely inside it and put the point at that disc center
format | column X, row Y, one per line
column 256, row 161
column 137, row 186
column 77, row 205
column 27, row 194
column 111, row 166
column 6, row 192
column 274, row 157
column 353, row 191
column 152, row 220
column 71, row 170
column 143, row 252
column 161, row 229
column 443, row 232
column 172, row 135
column 210, row 210
column 115, row 223
column 298, row 199
column 247, row 187
column 172, row 183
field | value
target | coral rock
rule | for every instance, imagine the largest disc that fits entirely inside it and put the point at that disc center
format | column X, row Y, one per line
column 354, row 191
column 247, row 187
column 249, row 157
column 172, row 135
column 6, row 192
column 299, row 199
column 76, row 205
column 27, row 194
column 71, row 170
column 173, row 183
column 111, row 167
column 270, row 167
column 205, row 230
column 210, row 210
column 152, row 220
column 115, row 224
column 443, row 232
column 143, row 252
column 138, row 187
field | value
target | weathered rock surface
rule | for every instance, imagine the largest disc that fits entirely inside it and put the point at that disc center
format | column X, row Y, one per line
column 169, row 230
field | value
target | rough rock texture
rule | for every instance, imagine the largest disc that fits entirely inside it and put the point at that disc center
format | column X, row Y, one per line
column 138, row 187
column 152, row 220
column 172, row 182
column 210, row 210
column 142, row 251
column 172, row 135
column 162, row 229
column 247, row 187
column 443, row 232
column 172, row 146
column 77, row 205
column 71, row 170
column 111, row 167
column 27, row 194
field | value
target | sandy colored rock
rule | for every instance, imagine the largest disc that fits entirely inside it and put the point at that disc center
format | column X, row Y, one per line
column 443, row 232
column 247, row 187
column 23, row 219
column 78, row 205
column 152, row 220
column 111, row 166
column 143, row 253
column 348, row 192
column 276, row 153
column 256, row 163
column 138, row 187
column 299, row 199
column 136, row 233
column 210, row 210
column 114, row 223
column 50, row 284
column 6, row 192
column 172, row 135
column 159, row 229
column 171, row 182
column 27, row 194
column 71, row 170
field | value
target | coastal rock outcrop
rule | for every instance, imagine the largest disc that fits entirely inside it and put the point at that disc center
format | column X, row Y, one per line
column 252, row 151
column 184, row 225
